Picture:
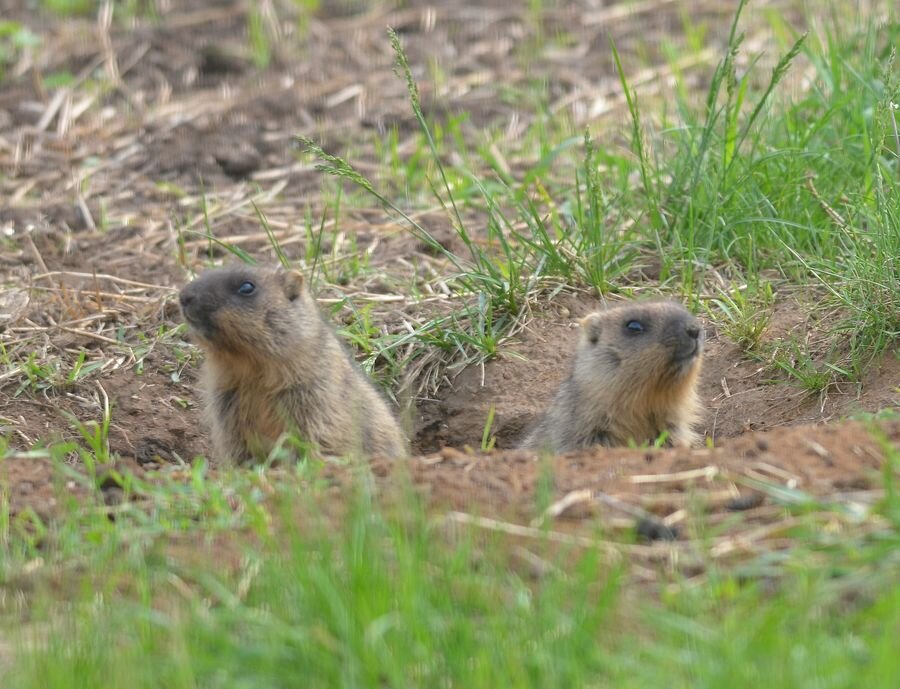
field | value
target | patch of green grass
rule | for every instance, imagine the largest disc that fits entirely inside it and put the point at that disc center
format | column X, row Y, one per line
column 123, row 9
column 258, row 38
column 488, row 439
column 305, row 10
column 14, row 38
column 494, row 280
column 744, row 312
column 380, row 361
column 798, row 186
column 388, row 596
column 601, row 252
column 173, row 341
column 882, row 414
column 70, row 8
column 504, row 260
column 372, row 610
column 40, row 374
column 793, row 358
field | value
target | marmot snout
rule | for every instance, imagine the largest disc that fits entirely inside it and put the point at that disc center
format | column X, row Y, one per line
column 633, row 378
column 242, row 310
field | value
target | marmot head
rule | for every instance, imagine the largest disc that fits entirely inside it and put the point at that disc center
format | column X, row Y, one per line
column 650, row 344
column 254, row 312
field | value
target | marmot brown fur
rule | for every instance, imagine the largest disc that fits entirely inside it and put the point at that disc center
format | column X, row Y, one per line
column 274, row 365
column 634, row 377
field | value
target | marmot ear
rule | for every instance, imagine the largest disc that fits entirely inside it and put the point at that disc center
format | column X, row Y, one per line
column 292, row 283
column 591, row 326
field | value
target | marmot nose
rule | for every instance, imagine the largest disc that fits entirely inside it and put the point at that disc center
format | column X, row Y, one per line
column 185, row 298
column 693, row 331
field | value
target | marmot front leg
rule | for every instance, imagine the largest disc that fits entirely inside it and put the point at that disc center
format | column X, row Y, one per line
column 223, row 412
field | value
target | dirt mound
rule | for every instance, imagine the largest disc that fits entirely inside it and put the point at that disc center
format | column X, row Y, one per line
column 686, row 499
column 817, row 460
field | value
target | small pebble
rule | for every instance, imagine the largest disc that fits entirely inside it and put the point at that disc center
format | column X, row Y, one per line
column 653, row 530
column 744, row 502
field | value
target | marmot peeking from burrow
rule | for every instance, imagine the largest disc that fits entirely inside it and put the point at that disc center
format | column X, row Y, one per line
column 273, row 365
column 634, row 376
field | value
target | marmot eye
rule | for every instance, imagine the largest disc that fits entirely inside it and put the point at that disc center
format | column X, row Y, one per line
column 635, row 326
column 247, row 288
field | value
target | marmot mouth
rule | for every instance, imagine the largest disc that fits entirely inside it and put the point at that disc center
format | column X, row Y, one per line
column 685, row 359
column 695, row 350
column 201, row 324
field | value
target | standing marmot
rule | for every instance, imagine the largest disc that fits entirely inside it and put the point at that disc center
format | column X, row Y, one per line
column 273, row 365
column 634, row 376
